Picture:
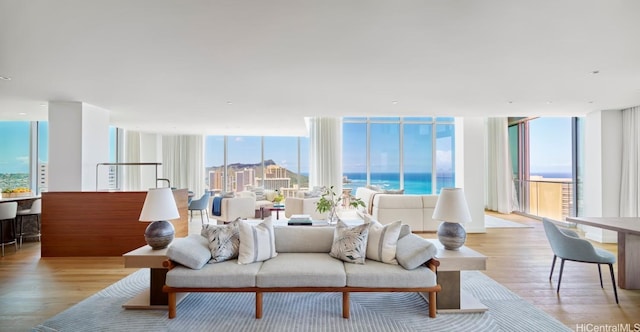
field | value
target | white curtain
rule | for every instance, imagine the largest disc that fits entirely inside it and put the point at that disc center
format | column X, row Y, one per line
column 500, row 186
column 325, row 152
column 183, row 162
column 630, row 184
column 131, row 174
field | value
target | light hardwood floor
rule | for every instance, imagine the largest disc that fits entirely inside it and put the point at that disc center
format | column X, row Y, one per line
column 33, row 289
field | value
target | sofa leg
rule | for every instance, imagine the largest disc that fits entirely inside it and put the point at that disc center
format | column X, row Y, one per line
column 258, row 305
column 432, row 304
column 172, row 305
column 345, row 305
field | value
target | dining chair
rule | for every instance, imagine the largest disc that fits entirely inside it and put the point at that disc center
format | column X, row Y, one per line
column 201, row 204
column 567, row 245
column 34, row 210
column 8, row 213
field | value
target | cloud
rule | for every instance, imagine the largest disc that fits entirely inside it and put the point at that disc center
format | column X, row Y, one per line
column 443, row 159
column 238, row 139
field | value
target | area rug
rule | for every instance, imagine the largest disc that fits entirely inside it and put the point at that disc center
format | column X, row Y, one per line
column 494, row 222
column 301, row 311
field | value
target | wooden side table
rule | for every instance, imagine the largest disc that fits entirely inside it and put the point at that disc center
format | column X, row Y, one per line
column 153, row 297
column 451, row 298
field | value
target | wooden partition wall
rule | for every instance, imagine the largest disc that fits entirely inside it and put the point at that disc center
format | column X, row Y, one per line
column 99, row 223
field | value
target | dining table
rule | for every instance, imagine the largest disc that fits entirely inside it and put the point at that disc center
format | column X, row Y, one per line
column 628, row 229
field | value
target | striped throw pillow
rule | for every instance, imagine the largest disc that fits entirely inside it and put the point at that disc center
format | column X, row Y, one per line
column 257, row 243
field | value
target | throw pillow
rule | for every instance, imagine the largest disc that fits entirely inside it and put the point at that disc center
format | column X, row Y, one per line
column 382, row 242
column 393, row 191
column 190, row 251
column 224, row 241
column 413, row 251
column 350, row 243
column 257, row 243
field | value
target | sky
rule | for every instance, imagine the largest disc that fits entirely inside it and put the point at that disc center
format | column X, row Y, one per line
column 550, row 145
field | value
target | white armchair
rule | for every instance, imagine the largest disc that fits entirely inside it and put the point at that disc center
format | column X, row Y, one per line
column 235, row 207
column 298, row 205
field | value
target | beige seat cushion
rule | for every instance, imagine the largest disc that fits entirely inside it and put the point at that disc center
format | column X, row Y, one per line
column 302, row 270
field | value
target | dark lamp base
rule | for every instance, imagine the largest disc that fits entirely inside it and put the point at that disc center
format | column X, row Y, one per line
column 451, row 235
column 159, row 234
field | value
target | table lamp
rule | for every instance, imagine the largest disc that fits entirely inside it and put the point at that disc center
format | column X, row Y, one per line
column 159, row 206
column 452, row 210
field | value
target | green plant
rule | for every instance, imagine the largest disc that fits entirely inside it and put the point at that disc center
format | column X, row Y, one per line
column 329, row 200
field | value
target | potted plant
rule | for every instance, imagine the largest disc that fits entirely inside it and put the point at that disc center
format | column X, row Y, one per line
column 329, row 201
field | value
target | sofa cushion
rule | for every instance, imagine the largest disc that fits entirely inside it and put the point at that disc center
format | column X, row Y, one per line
column 224, row 241
column 257, row 242
column 350, row 243
column 302, row 270
column 378, row 274
column 382, row 242
column 413, row 251
column 228, row 274
column 303, row 239
column 191, row 251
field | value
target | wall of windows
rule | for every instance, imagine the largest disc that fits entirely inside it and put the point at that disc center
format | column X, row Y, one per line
column 232, row 163
column 546, row 165
column 416, row 154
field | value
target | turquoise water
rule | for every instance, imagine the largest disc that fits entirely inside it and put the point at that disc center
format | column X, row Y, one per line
column 414, row 183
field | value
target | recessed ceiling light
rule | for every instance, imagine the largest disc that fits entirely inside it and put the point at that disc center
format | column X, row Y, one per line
column 595, row 72
column 229, row 103
column 590, row 101
column 22, row 113
column 395, row 102
column 5, row 78
column 43, row 105
column 549, row 102
column 510, row 102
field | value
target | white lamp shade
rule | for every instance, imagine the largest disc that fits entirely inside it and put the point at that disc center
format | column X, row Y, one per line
column 159, row 205
column 452, row 206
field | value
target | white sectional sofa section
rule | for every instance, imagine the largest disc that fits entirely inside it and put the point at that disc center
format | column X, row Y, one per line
column 413, row 210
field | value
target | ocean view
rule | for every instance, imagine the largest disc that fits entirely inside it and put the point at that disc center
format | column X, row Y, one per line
column 414, row 183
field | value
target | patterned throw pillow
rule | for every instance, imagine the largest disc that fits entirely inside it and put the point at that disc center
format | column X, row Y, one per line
column 224, row 241
column 350, row 243
column 257, row 243
column 383, row 240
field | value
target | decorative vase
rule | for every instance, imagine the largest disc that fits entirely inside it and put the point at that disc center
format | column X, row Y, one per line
column 332, row 217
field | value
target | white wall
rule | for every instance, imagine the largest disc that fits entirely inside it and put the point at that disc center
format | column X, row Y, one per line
column 602, row 170
column 78, row 140
column 470, row 168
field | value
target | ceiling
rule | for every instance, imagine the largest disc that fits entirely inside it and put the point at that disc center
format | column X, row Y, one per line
column 260, row 67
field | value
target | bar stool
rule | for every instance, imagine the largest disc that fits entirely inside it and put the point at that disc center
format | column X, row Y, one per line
column 35, row 210
column 8, row 212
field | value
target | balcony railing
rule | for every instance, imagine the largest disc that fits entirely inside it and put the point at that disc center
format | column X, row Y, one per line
column 546, row 198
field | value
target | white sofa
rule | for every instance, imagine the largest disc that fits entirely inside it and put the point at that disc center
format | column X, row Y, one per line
column 413, row 210
column 302, row 264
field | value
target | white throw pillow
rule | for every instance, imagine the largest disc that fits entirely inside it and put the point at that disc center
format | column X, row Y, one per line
column 224, row 241
column 383, row 240
column 257, row 243
column 350, row 243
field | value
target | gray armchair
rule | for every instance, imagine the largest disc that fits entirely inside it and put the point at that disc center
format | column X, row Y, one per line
column 201, row 204
column 567, row 245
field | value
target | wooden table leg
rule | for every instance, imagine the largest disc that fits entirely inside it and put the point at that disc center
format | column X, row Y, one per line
column 628, row 261
column 156, row 295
